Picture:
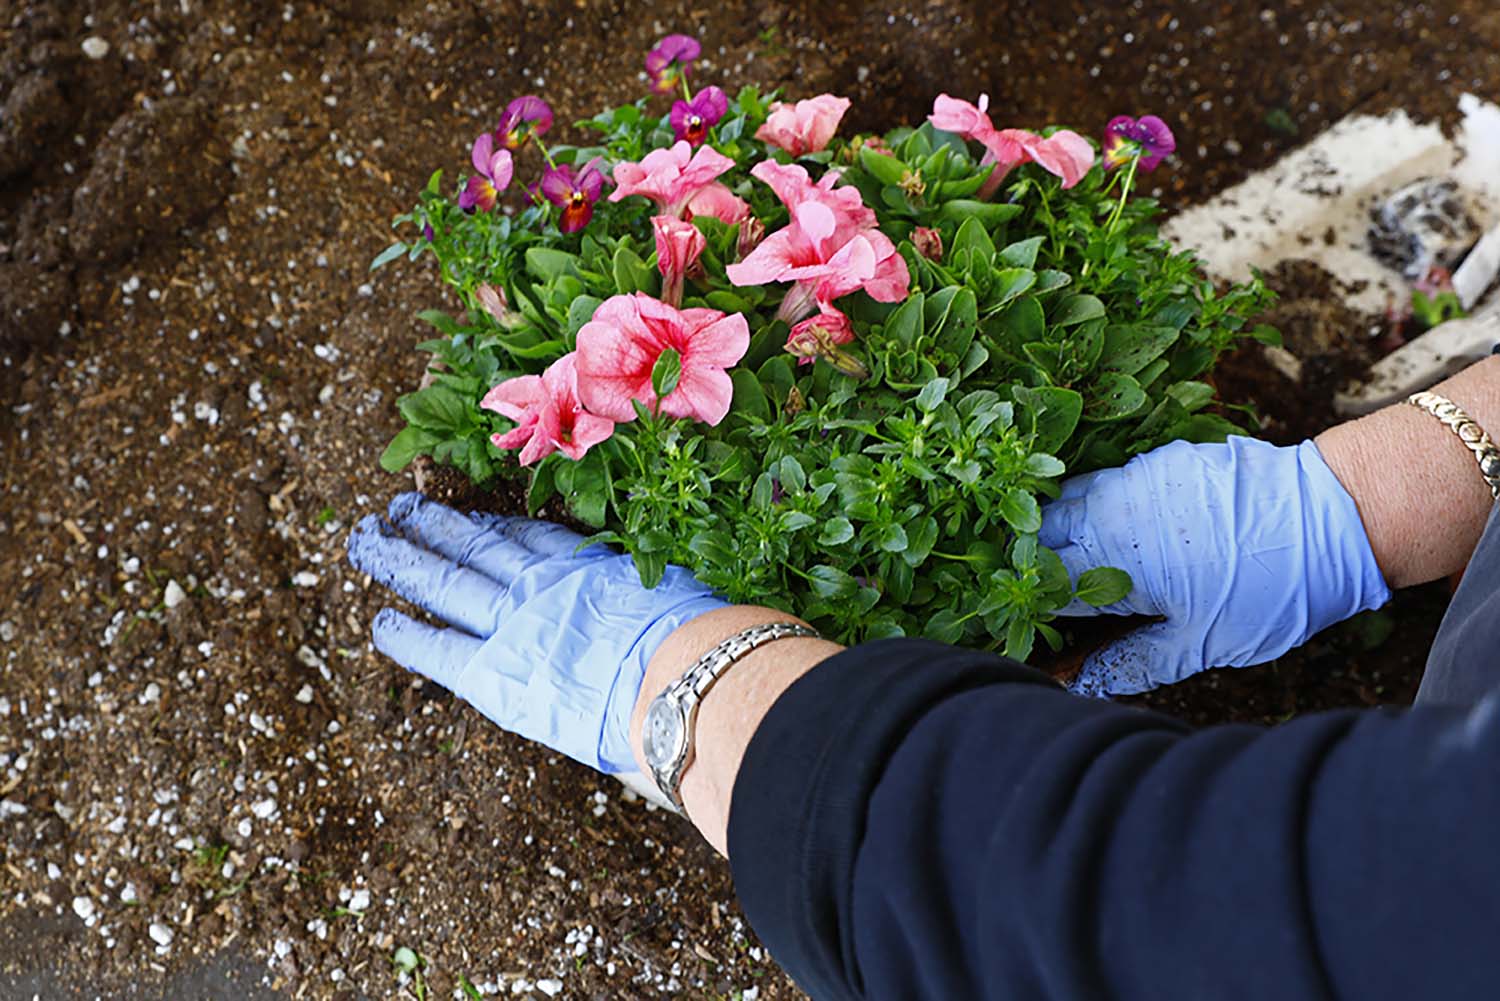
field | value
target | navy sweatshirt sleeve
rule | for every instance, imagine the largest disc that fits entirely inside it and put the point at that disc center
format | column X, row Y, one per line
column 915, row 821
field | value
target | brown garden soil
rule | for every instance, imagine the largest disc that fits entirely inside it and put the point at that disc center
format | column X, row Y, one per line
column 198, row 747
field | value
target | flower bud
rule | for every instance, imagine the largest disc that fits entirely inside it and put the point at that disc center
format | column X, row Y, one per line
column 492, row 299
column 752, row 231
column 929, row 242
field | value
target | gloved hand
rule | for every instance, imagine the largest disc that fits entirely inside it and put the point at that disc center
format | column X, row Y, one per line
column 1247, row 549
column 547, row 642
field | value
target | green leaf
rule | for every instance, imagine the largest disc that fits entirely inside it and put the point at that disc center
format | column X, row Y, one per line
column 891, row 538
column 631, row 273
column 989, row 214
column 944, row 626
column 1115, row 396
column 725, row 301
column 543, row 486
column 666, row 373
column 388, row 255
column 932, row 395
column 920, row 538
column 1022, row 253
column 1102, row 586
column 973, row 240
column 793, row 478
column 1052, row 413
column 548, row 264
column 1009, row 284
column 763, row 491
column 1076, row 309
column 749, row 397
column 652, row 567
column 831, row 582
column 406, row 446
column 1129, row 348
column 1192, row 395
column 905, row 324
column 1021, row 324
column 1020, row 636
column 1044, row 465
column 795, row 521
column 441, row 320
column 716, row 548
column 580, row 312
column 1020, row 510
column 1267, row 335
column 885, row 169
column 437, row 408
column 836, row 532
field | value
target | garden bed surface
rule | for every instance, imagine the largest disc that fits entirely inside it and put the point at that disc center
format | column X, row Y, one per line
column 206, row 772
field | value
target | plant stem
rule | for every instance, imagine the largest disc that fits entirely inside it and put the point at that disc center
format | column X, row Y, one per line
column 545, row 153
column 1125, row 189
column 1114, row 217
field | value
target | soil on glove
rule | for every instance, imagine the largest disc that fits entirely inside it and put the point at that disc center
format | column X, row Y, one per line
column 200, row 754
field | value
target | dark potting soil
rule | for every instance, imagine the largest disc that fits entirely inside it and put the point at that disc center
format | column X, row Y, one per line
column 199, row 374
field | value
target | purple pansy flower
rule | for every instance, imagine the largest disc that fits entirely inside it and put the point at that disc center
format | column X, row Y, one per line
column 1147, row 137
column 667, row 64
column 494, row 171
column 691, row 120
column 524, row 117
column 575, row 190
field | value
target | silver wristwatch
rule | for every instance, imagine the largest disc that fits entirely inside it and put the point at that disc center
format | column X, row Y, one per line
column 667, row 736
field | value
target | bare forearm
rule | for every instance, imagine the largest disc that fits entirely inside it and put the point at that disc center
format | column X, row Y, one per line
column 1418, row 490
column 731, row 710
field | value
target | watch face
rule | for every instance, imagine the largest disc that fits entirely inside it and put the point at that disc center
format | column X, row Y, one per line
column 662, row 734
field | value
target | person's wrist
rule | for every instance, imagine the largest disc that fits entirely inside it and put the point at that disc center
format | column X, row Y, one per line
column 731, row 709
column 1344, row 577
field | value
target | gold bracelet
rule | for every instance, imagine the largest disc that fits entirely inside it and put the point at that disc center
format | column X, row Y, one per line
column 1469, row 432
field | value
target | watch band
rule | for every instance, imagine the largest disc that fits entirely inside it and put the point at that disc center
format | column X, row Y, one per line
column 681, row 698
column 1469, row 432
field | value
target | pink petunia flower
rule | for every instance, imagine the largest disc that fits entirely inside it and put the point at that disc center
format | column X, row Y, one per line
column 620, row 346
column 678, row 246
column 804, row 127
column 831, row 248
column 495, row 169
column 575, row 190
column 547, row 413
column 670, row 177
column 717, row 201
column 1064, row 153
column 691, row 120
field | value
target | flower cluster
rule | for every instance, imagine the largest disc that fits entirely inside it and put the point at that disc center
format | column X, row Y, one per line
column 841, row 370
column 1064, row 153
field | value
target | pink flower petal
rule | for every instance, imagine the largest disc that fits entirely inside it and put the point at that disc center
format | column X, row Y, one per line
column 514, row 397
column 703, row 392
column 481, row 154
column 767, row 262
column 721, row 342
column 588, row 431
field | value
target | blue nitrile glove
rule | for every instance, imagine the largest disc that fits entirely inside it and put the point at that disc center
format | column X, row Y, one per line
column 547, row 642
column 1247, row 549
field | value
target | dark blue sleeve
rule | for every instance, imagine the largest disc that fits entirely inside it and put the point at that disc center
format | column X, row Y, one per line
column 1465, row 660
column 915, row 821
